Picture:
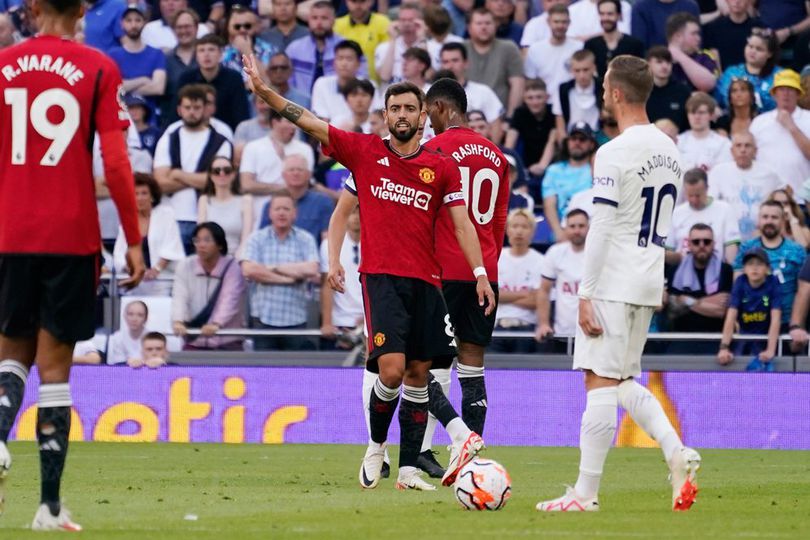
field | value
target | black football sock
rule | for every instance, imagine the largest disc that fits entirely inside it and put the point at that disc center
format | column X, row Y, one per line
column 12, row 388
column 53, row 427
column 381, row 409
column 413, row 414
column 473, row 397
column 439, row 405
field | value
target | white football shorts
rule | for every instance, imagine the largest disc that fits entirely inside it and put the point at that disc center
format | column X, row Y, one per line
column 616, row 354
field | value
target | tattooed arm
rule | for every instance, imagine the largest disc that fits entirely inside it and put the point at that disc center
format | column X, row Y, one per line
column 289, row 110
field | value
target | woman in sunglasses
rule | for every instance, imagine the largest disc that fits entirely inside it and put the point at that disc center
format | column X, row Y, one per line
column 241, row 29
column 223, row 204
column 761, row 55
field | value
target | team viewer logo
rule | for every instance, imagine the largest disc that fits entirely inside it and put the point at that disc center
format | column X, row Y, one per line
column 427, row 175
column 379, row 339
column 398, row 193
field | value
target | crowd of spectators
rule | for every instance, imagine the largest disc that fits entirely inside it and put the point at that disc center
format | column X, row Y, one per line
column 234, row 200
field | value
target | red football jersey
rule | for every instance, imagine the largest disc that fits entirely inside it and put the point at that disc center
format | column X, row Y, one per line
column 485, row 181
column 55, row 94
column 399, row 198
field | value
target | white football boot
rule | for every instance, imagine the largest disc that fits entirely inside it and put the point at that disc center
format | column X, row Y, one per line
column 371, row 467
column 45, row 521
column 570, row 502
column 460, row 455
column 411, row 478
column 683, row 476
column 5, row 465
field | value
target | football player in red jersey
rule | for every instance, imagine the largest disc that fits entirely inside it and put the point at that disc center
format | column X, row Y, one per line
column 485, row 181
column 55, row 95
column 400, row 188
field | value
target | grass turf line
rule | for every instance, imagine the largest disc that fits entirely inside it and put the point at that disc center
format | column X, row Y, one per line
column 144, row 491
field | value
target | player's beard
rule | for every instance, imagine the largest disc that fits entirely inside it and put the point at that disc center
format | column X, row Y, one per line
column 403, row 137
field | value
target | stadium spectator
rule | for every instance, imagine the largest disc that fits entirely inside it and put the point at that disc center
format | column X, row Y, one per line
column 700, row 208
column 698, row 288
column 313, row 55
column 209, row 115
column 209, row 293
column 241, row 31
column 580, row 99
column 494, row 62
column 328, row 101
column 650, row 19
column 537, row 28
column 285, row 28
column 700, row 145
column 505, row 26
column 280, row 260
column 232, row 102
column 415, row 67
column 180, row 58
column 532, row 128
column 586, row 19
column 252, row 128
column 693, row 66
column 125, row 343
column 795, row 219
column 786, row 256
column 161, row 239
column 143, row 68
column 182, row 157
column 569, row 176
column 140, row 113
column 359, row 94
column 261, row 165
column 102, row 23
column 8, row 33
column 759, row 67
column 438, row 23
column 562, row 272
column 754, row 309
column 787, row 17
column 742, row 108
column 518, row 278
column 743, row 183
column 155, row 354
column 549, row 59
column 223, row 204
column 727, row 35
column 782, row 134
column 669, row 128
column 801, row 305
column 613, row 40
column 312, row 209
column 341, row 313
column 480, row 97
column 609, row 128
column 160, row 34
column 406, row 32
column 85, row 352
column 668, row 97
column 363, row 26
column 211, row 12
column 279, row 72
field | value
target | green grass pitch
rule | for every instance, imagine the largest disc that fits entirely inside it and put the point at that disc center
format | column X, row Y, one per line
column 147, row 491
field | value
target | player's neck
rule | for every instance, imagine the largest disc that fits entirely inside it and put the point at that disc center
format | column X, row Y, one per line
column 629, row 116
column 406, row 148
column 52, row 25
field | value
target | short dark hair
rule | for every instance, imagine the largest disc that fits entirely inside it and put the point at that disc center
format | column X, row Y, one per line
column 192, row 92
column 437, row 19
column 633, row 76
column 476, row 111
column 210, row 39
column 616, row 3
column 659, row 52
column 701, row 227
column 577, row 212
column 362, row 85
column 773, row 203
column 678, row 21
column 559, row 9
column 185, row 11
column 217, row 233
column 156, row 336
column 582, row 55
column 404, row 87
column 348, row 44
column 694, row 176
column 65, row 7
column 479, row 11
column 454, row 46
column 449, row 91
column 418, row 53
column 323, row 4
column 146, row 179
column 444, row 74
column 535, row 84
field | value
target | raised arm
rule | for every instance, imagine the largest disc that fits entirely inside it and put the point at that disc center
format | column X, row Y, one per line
column 294, row 113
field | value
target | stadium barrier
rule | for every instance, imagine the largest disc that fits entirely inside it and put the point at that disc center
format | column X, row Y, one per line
column 322, row 405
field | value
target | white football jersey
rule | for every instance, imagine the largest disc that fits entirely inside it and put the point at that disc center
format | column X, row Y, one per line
column 639, row 173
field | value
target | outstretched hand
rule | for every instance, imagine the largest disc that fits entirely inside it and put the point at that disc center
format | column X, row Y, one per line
column 255, row 81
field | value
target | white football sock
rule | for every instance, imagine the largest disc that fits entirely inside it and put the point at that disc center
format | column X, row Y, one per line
column 647, row 412
column 442, row 377
column 458, row 430
column 595, row 438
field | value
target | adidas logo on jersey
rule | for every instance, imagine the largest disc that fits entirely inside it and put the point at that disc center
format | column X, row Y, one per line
column 383, row 161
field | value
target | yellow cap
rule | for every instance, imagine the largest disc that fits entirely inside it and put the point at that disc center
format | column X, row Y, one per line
column 789, row 79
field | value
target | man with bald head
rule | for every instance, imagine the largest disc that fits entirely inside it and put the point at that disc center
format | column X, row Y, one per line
column 313, row 209
column 744, row 183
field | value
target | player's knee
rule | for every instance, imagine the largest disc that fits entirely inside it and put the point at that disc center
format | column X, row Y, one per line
column 470, row 354
column 391, row 374
column 416, row 374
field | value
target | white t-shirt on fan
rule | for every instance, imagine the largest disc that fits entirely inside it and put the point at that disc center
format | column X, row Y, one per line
column 518, row 273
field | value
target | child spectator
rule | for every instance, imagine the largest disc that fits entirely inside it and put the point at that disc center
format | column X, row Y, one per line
column 155, row 354
column 755, row 306
column 125, row 344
